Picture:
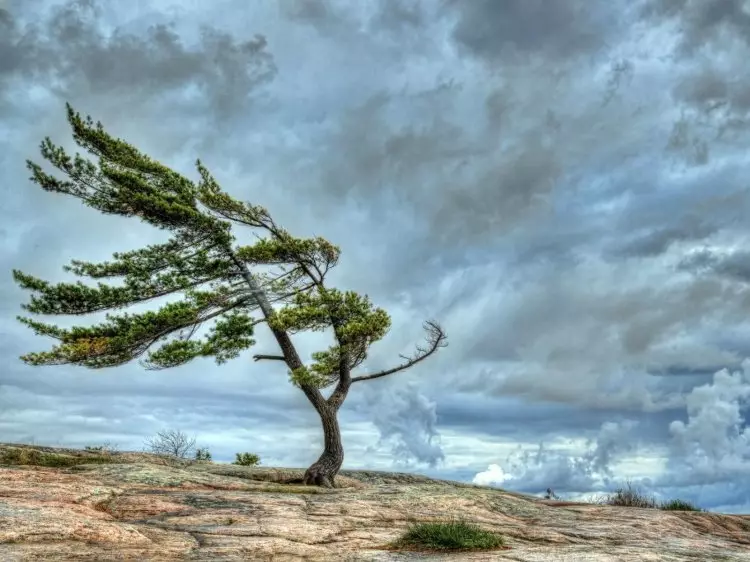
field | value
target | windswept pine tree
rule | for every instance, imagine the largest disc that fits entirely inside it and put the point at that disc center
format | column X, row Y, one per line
column 213, row 274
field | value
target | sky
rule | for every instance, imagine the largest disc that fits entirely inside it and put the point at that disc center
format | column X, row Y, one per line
column 559, row 184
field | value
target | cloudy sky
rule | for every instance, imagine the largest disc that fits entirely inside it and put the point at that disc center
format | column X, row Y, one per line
column 562, row 184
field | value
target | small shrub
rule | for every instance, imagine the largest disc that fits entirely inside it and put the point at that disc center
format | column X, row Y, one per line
column 247, row 459
column 202, row 454
column 550, row 495
column 452, row 535
column 105, row 448
column 629, row 497
column 679, row 505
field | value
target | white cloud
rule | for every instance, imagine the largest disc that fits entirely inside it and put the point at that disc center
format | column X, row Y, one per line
column 715, row 441
column 493, row 476
column 566, row 465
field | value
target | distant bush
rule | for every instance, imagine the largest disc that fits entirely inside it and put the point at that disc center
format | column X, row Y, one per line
column 105, row 448
column 629, row 497
column 202, row 454
column 679, row 505
column 247, row 459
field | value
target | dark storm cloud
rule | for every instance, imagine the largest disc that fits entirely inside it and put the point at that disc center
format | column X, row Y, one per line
column 335, row 17
column 702, row 22
column 400, row 15
column 519, row 420
column 712, row 37
column 519, row 161
column 732, row 265
column 706, row 89
column 551, row 29
column 68, row 51
column 324, row 15
column 635, row 318
column 659, row 241
column 434, row 166
column 717, row 101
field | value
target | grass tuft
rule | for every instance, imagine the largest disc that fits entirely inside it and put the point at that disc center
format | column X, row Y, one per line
column 450, row 535
column 679, row 505
column 631, row 497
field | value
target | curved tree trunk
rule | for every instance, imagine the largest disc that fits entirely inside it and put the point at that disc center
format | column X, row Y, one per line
column 323, row 471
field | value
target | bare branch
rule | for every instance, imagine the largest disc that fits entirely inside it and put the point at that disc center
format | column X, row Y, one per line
column 436, row 339
column 272, row 357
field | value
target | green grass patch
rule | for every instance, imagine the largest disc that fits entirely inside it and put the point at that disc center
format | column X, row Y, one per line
column 447, row 536
column 679, row 505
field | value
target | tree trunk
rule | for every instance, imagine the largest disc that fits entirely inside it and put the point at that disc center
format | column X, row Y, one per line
column 323, row 471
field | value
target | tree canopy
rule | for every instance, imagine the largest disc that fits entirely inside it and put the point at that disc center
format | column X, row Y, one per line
column 201, row 262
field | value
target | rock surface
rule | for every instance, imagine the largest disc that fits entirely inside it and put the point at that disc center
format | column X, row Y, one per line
column 135, row 506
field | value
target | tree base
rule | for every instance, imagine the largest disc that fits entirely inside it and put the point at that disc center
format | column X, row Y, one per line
column 318, row 475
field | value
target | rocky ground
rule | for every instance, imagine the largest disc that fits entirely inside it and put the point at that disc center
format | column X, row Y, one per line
column 134, row 506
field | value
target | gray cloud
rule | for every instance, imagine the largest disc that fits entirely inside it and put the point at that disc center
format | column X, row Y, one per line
column 407, row 420
column 657, row 242
column 535, row 471
column 69, row 51
column 712, row 37
column 560, row 29
column 321, row 14
column 710, row 447
column 529, row 327
column 401, row 15
column 703, row 22
column 333, row 17
column 733, row 265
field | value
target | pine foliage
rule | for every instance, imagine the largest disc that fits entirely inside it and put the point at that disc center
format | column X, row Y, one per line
column 202, row 263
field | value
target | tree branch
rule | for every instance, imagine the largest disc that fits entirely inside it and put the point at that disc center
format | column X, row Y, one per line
column 273, row 357
column 436, row 339
column 338, row 395
column 291, row 356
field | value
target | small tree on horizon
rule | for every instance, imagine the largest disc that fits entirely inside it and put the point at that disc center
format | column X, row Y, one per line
column 202, row 262
column 171, row 442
